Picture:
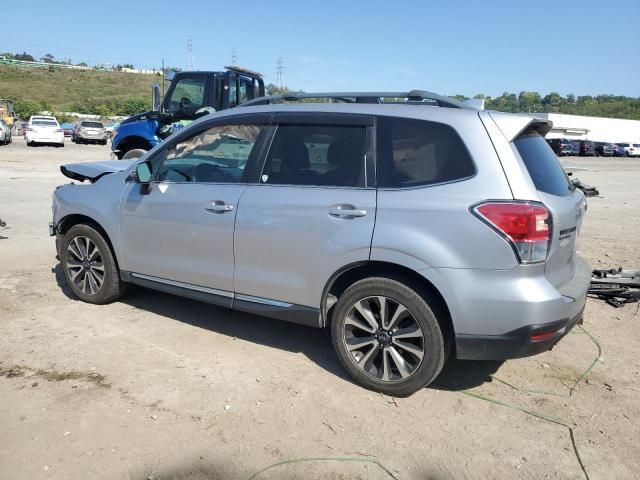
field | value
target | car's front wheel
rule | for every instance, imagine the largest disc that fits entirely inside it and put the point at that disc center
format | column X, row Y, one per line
column 387, row 336
column 89, row 265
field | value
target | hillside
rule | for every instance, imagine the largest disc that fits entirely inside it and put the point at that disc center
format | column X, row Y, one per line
column 65, row 90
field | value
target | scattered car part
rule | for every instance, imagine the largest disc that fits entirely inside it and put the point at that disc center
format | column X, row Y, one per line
column 588, row 190
column 616, row 286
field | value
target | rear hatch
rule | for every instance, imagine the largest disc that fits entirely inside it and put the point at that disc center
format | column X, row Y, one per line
column 565, row 203
column 44, row 128
column 93, row 129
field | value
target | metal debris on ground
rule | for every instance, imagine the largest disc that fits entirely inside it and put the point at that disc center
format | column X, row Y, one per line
column 588, row 190
column 616, row 286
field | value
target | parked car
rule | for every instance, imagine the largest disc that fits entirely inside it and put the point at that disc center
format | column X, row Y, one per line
column 44, row 129
column 604, row 149
column 618, row 150
column 575, row 148
column 68, row 129
column 427, row 247
column 631, row 149
column 5, row 133
column 560, row 146
column 111, row 128
column 90, row 132
column 587, row 148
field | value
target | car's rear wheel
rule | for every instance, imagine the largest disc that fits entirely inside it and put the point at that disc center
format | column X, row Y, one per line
column 387, row 336
column 89, row 265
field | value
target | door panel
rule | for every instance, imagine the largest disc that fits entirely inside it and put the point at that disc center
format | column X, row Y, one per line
column 287, row 243
column 174, row 232
column 182, row 228
column 311, row 214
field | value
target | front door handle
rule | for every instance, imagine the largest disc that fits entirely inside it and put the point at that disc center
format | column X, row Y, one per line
column 218, row 206
column 345, row 210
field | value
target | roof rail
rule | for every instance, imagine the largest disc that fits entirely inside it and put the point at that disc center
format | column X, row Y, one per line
column 414, row 97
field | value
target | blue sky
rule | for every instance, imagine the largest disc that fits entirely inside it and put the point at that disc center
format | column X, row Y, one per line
column 450, row 47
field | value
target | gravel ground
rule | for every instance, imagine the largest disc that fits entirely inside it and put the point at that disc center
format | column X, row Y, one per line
column 156, row 386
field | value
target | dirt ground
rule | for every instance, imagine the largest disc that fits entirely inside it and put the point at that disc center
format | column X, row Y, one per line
column 159, row 387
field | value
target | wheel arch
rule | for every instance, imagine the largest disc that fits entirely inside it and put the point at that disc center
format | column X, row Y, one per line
column 132, row 142
column 73, row 219
column 354, row 272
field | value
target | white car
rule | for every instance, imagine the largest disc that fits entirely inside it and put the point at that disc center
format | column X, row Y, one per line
column 631, row 149
column 44, row 129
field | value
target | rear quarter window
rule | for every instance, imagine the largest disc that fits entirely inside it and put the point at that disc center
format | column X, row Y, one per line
column 414, row 153
column 544, row 168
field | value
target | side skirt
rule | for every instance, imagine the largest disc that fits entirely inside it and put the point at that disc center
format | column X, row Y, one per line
column 288, row 312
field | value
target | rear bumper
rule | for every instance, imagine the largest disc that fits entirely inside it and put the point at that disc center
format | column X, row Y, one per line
column 45, row 139
column 91, row 138
column 501, row 315
column 515, row 344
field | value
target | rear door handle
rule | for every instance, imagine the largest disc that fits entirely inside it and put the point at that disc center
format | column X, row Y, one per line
column 346, row 211
column 218, row 206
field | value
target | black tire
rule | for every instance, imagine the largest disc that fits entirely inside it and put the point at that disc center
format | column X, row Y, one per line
column 432, row 340
column 112, row 287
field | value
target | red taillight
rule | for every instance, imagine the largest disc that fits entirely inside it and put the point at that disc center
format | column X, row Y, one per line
column 540, row 337
column 525, row 225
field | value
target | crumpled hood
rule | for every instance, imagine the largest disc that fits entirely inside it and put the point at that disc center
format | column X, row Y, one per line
column 93, row 171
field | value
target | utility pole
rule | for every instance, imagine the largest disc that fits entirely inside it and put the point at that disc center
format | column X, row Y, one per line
column 189, row 55
column 280, row 69
column 234, row 58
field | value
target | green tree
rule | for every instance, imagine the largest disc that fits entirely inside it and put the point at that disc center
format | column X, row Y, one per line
column 25, row 108
column 272, row 89
column 24, row 56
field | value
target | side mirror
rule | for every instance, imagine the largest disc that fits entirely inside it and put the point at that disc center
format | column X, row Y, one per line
column 155, row 98
column 143, row 173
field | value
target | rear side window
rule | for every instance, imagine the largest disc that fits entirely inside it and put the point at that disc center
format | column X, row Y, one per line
column 416, row 152
column 319, row 155
column 544, row 168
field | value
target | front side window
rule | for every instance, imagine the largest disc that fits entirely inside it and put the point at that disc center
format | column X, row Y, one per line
column 321, row 155
column 416, row 152
column 188, row 94
column 233, row 90
column 217, row 155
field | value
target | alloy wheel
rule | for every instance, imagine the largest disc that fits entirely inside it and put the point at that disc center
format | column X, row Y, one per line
column 383, row 338
column 85, row 265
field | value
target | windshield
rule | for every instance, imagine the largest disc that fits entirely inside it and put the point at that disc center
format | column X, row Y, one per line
column 44, row 123
column 187, row 94
column 91, row 125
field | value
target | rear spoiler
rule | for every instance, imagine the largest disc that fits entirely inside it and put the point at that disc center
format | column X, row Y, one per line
column 513, row 125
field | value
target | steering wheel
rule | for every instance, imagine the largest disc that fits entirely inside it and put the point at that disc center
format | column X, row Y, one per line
column 185, row 103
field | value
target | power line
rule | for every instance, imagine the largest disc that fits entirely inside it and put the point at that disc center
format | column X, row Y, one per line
column 280, row 70
column 189, row 55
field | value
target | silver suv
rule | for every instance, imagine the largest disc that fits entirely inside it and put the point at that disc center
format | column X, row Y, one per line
column 415, row 230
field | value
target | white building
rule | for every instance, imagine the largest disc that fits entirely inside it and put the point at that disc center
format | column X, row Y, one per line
column 597, row 129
